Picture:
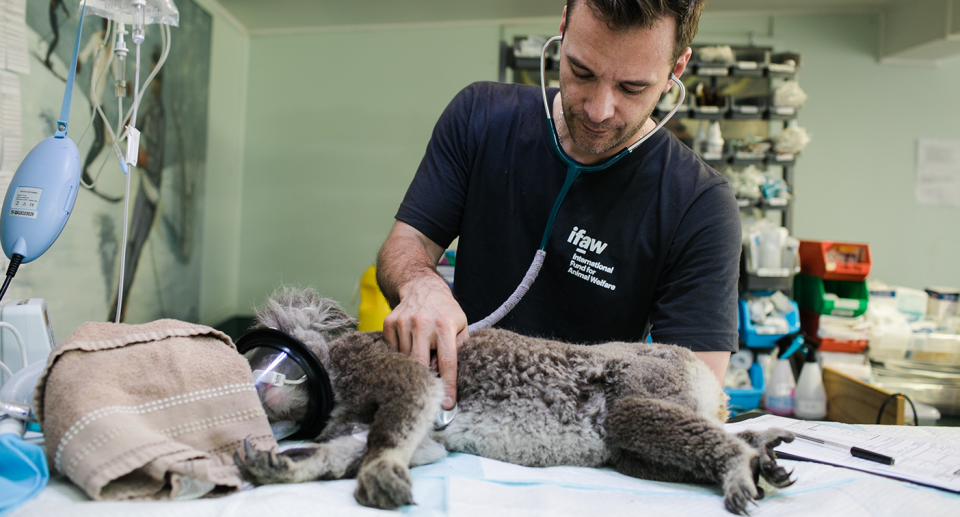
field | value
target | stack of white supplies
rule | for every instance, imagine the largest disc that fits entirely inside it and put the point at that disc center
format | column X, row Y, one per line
column 768, row 313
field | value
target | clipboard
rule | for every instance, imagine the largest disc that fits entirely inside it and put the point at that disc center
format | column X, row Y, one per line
column 926, row 463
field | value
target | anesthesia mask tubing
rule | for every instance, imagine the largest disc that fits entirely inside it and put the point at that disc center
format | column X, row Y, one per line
column 574, row 169
column 293, row 386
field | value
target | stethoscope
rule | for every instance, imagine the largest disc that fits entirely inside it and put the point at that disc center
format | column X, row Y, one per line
column 574, row 170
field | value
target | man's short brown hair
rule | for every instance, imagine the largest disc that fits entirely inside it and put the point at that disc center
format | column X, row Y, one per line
column 644, row 14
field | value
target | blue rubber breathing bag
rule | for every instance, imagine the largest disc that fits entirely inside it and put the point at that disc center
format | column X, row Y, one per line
column 43, row 190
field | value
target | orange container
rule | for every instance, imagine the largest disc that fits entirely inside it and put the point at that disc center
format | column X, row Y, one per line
column 810, row 325
column 835, row 260
column 850, row 346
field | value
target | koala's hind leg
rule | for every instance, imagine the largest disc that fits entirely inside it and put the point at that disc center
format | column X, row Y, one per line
column 668, row 442
column 335, row 459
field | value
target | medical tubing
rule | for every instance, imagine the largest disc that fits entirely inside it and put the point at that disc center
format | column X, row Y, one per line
column 165, row 36
column 514, row 299
column 543, row 74
column 16, row 335
column 136, row 89
column 120, row 123
column 68, row 91
column 123, row 242
column 6, row 369
column 15, row 261
column 98, row 109
column 893, row 396
column 95, row 81
column 19, row 388
column 572, row 174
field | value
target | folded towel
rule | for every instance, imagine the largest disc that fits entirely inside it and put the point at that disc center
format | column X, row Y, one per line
column 152, row 411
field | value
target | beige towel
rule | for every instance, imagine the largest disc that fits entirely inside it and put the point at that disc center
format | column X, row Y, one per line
column 152, row 411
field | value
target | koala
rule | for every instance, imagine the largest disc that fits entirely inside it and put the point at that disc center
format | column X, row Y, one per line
column 651, row 411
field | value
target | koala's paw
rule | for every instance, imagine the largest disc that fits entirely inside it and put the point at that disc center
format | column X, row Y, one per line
column 267, row 467
column 384, row 483
column 773, row 473
column 740, row 487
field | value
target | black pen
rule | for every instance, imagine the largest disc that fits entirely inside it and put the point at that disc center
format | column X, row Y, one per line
column 857, row 452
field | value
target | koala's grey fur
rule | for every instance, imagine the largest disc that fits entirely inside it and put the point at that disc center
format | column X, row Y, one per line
column 647, row 410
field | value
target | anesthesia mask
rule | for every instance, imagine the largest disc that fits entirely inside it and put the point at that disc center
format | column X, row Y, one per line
column 293, row 387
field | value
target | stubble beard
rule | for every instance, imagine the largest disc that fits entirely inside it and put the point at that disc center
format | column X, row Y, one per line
column 593, row 144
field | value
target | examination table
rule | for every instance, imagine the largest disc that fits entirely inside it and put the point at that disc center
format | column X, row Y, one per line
column 466, row 485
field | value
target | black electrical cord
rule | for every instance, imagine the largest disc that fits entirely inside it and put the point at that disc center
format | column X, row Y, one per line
column 11, row 270
column 916, row 420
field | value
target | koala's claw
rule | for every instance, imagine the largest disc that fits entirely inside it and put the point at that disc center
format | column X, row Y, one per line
column 384, row 484
column 260, row 467
column 737, row 502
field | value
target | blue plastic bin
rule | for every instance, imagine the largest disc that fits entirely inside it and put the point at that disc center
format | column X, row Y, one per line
column 743, row 399
column 755, row 337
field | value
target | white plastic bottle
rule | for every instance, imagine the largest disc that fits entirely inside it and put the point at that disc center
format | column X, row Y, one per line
column 780, row 392
column 714, row 140
column 700, row 139
column 810, row 398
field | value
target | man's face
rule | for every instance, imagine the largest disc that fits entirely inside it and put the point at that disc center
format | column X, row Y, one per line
column 610, row 80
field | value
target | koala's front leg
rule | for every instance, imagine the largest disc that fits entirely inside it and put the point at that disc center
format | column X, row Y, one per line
column 407, row 397
column 335, row 459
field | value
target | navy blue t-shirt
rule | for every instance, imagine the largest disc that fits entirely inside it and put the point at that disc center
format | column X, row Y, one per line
column 653, row 240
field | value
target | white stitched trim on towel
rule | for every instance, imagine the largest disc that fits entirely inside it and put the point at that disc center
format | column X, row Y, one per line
column 146, row 407
column 207, row 423
column 171, row 432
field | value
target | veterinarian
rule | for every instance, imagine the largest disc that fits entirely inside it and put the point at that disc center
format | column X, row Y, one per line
column 650, row 245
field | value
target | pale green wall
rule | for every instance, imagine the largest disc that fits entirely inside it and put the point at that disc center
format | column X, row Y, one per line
column 856, row 179
column 220, row 266
column 337, row 122
column 336, row 126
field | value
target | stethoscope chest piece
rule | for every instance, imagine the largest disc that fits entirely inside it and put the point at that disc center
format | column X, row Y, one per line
column 444, row 418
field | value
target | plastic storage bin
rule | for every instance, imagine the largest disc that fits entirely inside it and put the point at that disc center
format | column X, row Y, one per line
column 762, row 337
column 747, row 107
column 835, row 260
column 942, row 349
column 810, row 323
column 783, row 64
column 716, row 112
column 750, row 61
column 811, row 292
column 746, row 399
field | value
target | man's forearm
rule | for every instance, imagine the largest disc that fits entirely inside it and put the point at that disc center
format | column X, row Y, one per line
column 717, row 362
column 405, row 257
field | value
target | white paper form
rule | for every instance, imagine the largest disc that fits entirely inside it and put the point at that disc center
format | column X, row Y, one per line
column 938, row 172
column 932, row 464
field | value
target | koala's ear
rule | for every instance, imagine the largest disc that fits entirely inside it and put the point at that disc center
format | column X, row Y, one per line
column 292, row 308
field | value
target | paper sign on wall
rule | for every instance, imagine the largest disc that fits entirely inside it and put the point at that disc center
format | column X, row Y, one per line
column 938, row 172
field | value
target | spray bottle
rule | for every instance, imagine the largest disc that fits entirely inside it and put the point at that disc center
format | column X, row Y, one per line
column 811, row 398
column 779, row 397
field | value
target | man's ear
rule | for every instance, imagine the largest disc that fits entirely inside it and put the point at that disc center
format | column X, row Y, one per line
column 563, row 21
column 679, row 67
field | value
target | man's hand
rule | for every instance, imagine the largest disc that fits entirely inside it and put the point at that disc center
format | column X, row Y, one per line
column 425, row 316
column 428, row 318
